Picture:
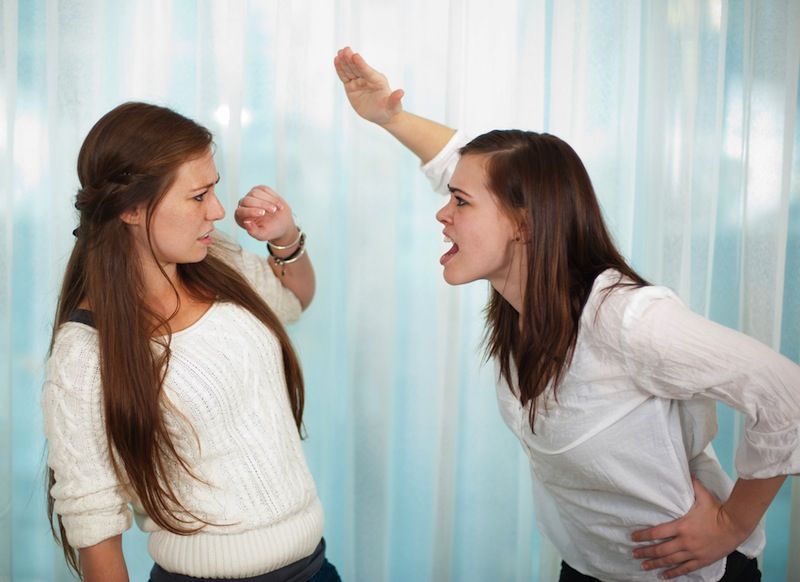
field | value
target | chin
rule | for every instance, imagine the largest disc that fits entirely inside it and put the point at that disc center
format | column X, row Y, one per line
column 195, row 257
column 454, row 280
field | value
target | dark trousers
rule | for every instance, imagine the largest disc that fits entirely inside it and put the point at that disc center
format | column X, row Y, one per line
column 738, row 568
column 314, row 568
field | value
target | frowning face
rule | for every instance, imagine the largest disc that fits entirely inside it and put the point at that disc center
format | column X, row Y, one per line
column 182, row 222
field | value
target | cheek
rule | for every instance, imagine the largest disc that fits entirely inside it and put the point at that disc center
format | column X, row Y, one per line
column 166, row 227
column 495, row 243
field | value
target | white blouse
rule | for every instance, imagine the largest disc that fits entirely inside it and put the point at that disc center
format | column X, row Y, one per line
column 635, row 417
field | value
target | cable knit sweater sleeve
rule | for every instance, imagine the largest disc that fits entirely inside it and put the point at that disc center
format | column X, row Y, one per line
column 259, row 274
column 92, row 503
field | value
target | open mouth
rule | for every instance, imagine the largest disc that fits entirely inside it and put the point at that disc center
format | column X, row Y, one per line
column 206, row 238
column 445, row 258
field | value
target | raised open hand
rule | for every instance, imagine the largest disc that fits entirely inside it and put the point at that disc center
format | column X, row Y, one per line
column 367, row 89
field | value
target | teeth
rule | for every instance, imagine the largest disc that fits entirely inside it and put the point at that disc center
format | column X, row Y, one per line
column 447, row 239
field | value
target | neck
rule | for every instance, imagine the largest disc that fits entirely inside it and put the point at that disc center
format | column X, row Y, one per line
column 160, row 291
column 514, row 294
column 511, row 284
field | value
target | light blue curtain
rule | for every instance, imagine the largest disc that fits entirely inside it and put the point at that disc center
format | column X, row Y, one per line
column 685, row 113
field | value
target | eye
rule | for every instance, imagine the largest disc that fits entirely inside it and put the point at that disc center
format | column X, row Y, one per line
column 200, row 197
column 460, row 201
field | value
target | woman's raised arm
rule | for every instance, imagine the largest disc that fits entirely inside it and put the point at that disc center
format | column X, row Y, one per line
column 371, row 97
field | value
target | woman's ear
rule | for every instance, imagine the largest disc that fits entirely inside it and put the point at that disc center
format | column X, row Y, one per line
column 523, row 231
column 132, row 217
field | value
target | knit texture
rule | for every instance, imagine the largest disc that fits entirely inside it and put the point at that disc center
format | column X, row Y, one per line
column 225, row 379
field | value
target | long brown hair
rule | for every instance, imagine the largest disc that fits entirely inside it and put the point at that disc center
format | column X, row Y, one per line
column 129, row 160
column 540, row 178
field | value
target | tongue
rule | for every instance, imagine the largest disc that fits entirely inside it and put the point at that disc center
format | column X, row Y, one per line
column 453, row 250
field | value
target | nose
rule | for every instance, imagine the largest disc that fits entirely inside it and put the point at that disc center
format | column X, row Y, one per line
column 445, row 213
column 215, row 211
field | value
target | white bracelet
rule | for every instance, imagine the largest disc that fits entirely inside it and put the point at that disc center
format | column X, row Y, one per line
column 271, row 246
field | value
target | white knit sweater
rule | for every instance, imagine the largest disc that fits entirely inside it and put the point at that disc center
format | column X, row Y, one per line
column 226, row 378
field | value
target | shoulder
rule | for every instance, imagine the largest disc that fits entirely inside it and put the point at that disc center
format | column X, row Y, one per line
column 227, row 250
column 74, row 341
column 256, row 271
column 248, row 264
column 74, row 362
column 616, row 305
column 613, row 289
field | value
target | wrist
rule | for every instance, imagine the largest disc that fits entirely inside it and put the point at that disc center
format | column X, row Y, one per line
column 288, row 239
column 749, row 501
column 391, row 123
column 738, row 526
column 292, row 252
column 282, row 254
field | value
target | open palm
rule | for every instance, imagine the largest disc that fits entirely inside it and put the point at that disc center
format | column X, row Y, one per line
column 367, row 90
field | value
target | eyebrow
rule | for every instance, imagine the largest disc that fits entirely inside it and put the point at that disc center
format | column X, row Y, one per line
column 453, row 190
column 207, row 185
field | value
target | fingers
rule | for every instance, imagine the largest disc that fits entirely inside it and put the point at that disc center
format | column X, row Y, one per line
column 339, row 64
column 676, row 559
column 659, row 532
column 343, row 76
column 361, row 67
column 244, row 214
column 351, row 66
column 264, row 198
column 684, row 568
column 690, row 542
column 659, row 550
column 669, row 553
column 344, row 65
column 259, row 202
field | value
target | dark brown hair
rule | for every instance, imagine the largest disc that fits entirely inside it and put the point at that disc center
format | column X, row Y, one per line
column 543, row 186
column 129, row 160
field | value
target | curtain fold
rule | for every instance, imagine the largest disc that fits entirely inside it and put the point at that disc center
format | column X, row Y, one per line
column 8, row 75
column 685, row 113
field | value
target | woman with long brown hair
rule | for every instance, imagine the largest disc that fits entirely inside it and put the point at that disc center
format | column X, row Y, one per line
column 172, row 391
column 609, row 382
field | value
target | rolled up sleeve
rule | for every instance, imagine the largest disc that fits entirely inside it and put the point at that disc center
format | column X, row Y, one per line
column 439, row 170
column 675, row 353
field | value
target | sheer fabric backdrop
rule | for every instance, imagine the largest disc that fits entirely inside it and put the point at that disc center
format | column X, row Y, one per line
column 685, row 113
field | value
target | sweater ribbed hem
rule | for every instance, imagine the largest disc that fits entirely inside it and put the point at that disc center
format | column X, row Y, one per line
column 239, row 555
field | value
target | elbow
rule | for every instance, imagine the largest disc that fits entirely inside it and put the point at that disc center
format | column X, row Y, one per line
column 305, row 293
column 306, row 297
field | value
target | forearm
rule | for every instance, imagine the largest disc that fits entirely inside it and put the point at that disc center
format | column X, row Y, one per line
column 104, row 562
column 373, row 99
column 298, row 275
column 422, row 136
column 750, row 500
